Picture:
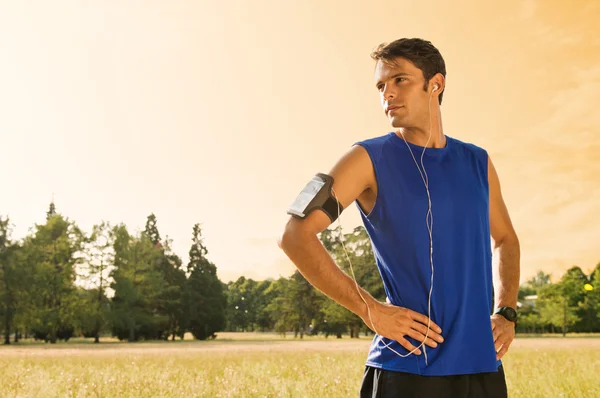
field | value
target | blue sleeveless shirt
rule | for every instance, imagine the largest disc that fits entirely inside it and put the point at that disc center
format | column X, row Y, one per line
column 462, row 298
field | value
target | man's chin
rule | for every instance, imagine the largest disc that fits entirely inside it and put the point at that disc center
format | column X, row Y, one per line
column 396, row 123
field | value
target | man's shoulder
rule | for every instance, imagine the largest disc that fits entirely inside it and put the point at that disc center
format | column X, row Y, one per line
column 375, row 142
column 468, row 146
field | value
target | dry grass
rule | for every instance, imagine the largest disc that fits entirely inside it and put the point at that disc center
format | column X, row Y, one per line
column 263, row 366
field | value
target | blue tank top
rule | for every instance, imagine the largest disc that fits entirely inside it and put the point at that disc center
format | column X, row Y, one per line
column 462, row 298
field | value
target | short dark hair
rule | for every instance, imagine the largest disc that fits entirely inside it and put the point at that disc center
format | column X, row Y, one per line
column 419, row 52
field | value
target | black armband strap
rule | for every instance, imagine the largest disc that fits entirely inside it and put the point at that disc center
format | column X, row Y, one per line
column 331, row 207
column 316, row 194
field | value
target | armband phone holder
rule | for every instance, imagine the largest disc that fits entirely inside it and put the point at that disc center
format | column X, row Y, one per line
column 316, row 195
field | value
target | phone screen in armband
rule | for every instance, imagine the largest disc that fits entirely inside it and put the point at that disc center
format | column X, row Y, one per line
column 309, row 192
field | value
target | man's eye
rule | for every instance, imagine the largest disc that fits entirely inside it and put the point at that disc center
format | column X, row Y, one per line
column 400, row 78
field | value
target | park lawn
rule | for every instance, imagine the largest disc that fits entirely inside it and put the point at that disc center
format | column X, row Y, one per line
column 263, row 365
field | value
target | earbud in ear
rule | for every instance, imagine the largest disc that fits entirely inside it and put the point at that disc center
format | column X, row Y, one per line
column 435, row 87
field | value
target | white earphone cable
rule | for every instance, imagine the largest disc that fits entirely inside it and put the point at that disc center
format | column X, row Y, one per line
column 428, row 221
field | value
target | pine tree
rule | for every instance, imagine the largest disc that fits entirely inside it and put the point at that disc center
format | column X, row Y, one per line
column 204, row 298
column 167, row 308
column 53, row 253
column 100, row 258
column 173, row 286
column 51, row 211
column 152, row 230
column 137, row 285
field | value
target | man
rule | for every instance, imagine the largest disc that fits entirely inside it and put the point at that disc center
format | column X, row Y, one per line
column 429, row 203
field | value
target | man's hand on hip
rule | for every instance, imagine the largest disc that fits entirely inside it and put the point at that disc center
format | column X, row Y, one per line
column 504, row 334
column 396, row 322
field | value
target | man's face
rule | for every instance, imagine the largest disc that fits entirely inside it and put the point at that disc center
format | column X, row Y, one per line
column 400, row 88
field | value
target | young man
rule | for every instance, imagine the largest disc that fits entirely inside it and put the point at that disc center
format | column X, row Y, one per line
column 429, row 203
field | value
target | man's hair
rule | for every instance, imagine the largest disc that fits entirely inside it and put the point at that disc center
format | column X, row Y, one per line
column 419, row 52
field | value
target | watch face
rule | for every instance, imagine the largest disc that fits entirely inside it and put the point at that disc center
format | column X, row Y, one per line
column 511, row 314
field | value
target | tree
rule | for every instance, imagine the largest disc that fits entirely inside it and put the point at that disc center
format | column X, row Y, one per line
column 53, row 252
column 262, row 298
column 100, row 257
column 152, row 230
column 238, row 304
column 533, row 284
column 281, row 306
column 10, row 275
column 541, row 279
column 529, row 322
column 558, row 303
column 306, row 302
column 333, row 319
column 137, row 284
column 204, row 301
column 51, row 210
column 589, row 305
column 595, row 275
column 572, row 284
column 170, row 301
column 167, row 307
column 594, row 295
column 92, row 312
column 358, row 261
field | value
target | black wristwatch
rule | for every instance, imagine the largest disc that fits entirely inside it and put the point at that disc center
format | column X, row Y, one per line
column 509, row 313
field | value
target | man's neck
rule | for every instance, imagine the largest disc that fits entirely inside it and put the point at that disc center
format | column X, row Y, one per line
column 419, row 137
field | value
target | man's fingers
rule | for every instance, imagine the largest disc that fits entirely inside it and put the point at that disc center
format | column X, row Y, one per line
column 493, row 325
column 423, row 330
column 495, row 333
column 497, row 344
column 503, row 351
column 424, row 320
column 406, row 344
column 419, row 337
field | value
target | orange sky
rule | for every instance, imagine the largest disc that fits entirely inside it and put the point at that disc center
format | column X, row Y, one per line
column 218, row 113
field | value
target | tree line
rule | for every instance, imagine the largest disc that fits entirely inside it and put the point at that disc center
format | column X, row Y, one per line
column 59, row 282
column 571, row 304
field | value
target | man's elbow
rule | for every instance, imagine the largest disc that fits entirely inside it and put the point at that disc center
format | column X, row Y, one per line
column 280, row 240
column 287, row 235
column 293, row 233
column 509, row 239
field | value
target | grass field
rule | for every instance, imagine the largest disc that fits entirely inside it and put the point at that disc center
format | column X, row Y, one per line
column 263, row 365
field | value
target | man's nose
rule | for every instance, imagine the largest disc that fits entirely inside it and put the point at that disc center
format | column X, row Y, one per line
column 388, row 92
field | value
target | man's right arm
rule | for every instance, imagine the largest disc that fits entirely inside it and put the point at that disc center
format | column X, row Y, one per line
column 352, row 174
column 300, row 243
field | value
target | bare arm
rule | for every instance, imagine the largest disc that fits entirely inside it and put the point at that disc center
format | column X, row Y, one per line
column 506, row 245
column 300, row 243
column 352, row 174
column 506, row 276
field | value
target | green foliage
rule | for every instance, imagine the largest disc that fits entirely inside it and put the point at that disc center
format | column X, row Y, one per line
column 57, row 283
column 137, row 285
column 280, row 307
column 52, row 253
column 563, row 306
column 204, row 299
column 354, row 255
column 92, row 314
column 152, row 230
column 99, row 257
column 11, row 277
column 241, row 311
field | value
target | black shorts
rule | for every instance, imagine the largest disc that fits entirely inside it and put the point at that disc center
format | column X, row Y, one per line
column 378, row 383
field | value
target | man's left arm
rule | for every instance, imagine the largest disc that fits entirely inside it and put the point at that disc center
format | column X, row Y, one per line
column 506, row 275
